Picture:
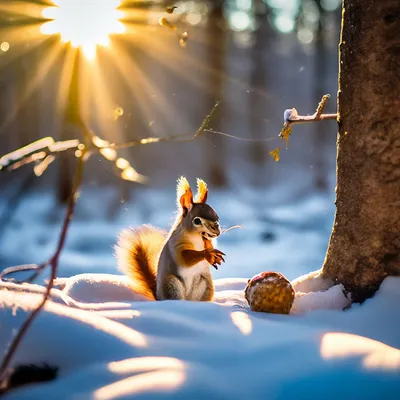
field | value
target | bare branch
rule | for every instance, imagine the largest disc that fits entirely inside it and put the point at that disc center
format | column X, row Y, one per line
column 302, row 119
column 53, row 263
column 291, row 117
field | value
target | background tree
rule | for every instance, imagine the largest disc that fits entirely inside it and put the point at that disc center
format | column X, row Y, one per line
column 365, row 243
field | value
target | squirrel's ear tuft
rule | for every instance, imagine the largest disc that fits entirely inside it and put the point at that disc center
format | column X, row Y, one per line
column 202, row 191
column 184, row 195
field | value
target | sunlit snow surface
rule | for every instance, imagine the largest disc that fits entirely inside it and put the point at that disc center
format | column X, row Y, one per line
column 118, row 347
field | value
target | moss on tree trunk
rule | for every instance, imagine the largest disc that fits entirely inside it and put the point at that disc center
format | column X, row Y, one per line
column 365, row 243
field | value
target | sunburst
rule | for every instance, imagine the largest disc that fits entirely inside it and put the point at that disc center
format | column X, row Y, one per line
column 85, row 24
column 106, row 33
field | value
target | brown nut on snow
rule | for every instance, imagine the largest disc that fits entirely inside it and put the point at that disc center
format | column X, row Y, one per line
column 270, row 292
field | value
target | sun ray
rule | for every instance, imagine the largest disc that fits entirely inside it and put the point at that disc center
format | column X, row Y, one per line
column 45, row 66
column 65, row 78
column 16, row 35
column 18, row 11
column 171, row 57
column 142, row 89
column 148, row 95
column 97, row 102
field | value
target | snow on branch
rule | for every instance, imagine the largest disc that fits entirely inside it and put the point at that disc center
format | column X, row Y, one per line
column 38, row 151
column 291, row 117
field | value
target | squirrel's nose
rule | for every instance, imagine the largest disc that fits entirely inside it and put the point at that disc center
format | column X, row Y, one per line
column 215, row 228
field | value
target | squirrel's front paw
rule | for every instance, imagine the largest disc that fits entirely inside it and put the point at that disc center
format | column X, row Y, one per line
column 215, row 257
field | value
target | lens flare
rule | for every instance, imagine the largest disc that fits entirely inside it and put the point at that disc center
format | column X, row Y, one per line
column 5, row 46
column 85, row 24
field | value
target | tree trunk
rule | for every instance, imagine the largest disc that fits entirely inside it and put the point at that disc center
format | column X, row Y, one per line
column 72, row 124
column 365, row 243
column 217, row 43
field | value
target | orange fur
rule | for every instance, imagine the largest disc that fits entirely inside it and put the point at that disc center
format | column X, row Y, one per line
column 137, row 252
column 188, row 258
column 202, row 191
column 207, row 244
column 186, row 255
column 182, row 187
column 184, row 195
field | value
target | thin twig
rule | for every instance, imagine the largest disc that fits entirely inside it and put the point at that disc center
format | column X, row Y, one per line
column 244, row 139
column 19, row 268
column 54, row 263
column 173, row 138
column 37, row 272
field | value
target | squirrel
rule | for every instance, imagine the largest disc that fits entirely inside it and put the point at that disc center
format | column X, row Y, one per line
column 174, row 265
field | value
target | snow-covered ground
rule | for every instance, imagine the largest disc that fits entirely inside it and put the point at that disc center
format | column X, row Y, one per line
column 109, row 343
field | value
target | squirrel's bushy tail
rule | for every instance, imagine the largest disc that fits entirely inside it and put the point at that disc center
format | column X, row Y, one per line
column 137, row 252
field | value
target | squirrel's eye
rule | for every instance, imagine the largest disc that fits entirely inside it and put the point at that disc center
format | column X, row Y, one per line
column 197, row 221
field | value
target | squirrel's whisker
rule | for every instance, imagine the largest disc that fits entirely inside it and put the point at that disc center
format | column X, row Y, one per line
column 230, row 228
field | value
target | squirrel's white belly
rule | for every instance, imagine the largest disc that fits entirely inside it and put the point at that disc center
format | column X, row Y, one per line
column 188, row 274
column 194, row 270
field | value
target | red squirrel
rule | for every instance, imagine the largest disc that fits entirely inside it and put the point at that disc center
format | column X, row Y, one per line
column 174, row 265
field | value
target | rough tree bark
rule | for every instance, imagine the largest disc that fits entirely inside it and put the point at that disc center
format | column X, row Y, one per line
column 365, row 243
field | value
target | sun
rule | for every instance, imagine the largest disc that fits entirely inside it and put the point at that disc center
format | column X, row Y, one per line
column 84, row 24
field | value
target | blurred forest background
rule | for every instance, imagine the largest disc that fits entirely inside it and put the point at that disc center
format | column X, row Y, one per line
column 258, row 57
